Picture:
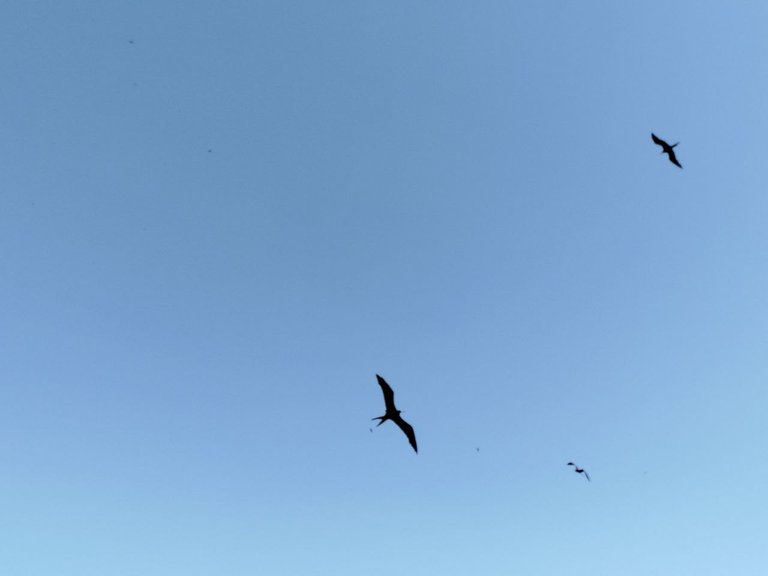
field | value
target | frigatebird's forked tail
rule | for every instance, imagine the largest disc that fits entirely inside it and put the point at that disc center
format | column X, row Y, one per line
column 392, row 413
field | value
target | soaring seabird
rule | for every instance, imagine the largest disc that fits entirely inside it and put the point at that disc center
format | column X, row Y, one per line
column 666, row 148
column 393, row 413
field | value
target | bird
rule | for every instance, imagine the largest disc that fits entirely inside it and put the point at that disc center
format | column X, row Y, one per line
column 579, row 470
column 393, row 413
column 666, row 148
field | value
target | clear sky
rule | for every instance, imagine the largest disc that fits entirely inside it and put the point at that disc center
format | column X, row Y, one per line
column 219, row 221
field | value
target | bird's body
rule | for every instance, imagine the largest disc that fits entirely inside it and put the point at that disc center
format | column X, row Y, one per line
column 392, row 413
column 667, row 149
column 579, row 470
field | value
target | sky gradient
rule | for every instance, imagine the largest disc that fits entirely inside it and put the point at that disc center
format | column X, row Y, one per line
column 219, row 221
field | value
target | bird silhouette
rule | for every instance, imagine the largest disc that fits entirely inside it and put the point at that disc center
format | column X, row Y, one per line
column 579, row 470
column 666, row 148
column 393, row 413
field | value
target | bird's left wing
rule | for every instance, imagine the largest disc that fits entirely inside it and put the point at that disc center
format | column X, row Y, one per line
column 389, row 394
column 587, row 475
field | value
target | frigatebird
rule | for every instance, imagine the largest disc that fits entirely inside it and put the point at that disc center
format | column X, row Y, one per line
column 666, row 148
column 393, row 413
column 579, row 470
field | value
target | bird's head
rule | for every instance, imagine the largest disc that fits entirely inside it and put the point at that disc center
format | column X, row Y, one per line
column 570, row 464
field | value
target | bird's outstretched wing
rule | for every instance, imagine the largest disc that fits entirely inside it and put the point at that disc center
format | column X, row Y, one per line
column 389, row 395
column 408, row 429
column 673, row 158
column 587, row 475
column 658, row 140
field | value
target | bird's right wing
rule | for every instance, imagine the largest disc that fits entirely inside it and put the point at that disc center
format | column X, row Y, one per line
column 673, row 158
column 657, row 140
column 408, row 429
column 389, row 395
column 587, row 475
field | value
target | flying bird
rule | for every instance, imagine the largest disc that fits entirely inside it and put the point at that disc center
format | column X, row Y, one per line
column 579, row 470
column 667, row 149
column 393, row 413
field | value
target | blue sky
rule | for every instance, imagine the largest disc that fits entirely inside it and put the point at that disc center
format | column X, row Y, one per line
column 219, row 221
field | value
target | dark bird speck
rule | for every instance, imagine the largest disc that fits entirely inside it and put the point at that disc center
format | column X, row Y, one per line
column 579, row 470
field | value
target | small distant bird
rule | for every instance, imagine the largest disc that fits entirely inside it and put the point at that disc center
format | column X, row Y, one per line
column 667, row 149
column 393, row 413
column 579, row 470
